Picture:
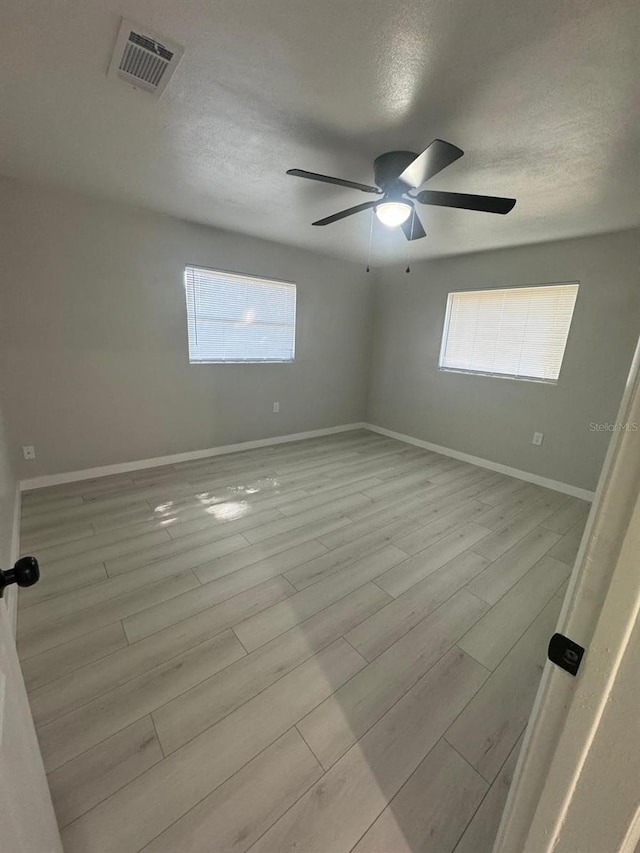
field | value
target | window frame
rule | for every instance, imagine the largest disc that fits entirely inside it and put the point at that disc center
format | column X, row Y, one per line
column 494, row 374
column 250, row 277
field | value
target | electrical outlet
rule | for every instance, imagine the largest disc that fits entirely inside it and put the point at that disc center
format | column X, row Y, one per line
column 29, row 451
column 537, row 438
column 276, row 408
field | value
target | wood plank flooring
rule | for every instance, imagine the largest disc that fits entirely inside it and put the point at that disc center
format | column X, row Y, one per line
column 331, row 645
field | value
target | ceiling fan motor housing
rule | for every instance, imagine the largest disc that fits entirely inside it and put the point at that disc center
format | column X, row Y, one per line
column 387, row 167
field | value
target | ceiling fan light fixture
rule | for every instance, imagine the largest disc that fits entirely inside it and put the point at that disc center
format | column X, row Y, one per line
column 392, row 213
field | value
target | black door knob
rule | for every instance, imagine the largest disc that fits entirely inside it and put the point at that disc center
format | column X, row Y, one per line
column 26, row 572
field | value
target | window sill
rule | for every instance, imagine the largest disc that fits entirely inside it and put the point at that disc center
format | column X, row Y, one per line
column 539, row 381
column 259, row 361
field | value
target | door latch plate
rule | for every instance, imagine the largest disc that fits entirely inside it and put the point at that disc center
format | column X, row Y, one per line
column 565, row 653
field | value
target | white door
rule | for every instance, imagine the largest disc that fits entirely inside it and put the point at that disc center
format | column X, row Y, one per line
column 27, row 820
column 576, row 787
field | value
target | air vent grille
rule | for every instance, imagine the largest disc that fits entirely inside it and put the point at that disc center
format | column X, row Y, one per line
column 142, row 63
column 150, row 44
column 143, row 60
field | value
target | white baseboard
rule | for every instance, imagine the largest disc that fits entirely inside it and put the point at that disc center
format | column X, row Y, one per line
column 15, row 526
column 11, row 595
column 125, row 467
column 556, row 485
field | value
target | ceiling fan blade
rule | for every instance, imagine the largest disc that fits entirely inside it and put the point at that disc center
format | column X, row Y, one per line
column 326, row 179
column 486, row 203
column 433, row 159
column 413, row 228
column 344, row 213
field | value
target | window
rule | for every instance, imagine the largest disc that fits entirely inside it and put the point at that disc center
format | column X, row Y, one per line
column 520, row 332
column 236, row 318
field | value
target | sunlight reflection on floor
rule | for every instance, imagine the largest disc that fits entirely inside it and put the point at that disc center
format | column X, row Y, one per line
column 217, row 505
column 229, row 511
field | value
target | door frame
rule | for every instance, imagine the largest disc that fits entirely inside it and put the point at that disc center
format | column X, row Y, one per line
column 564, row 759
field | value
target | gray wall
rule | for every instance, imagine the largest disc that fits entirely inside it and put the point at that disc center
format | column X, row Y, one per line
column 94, row 367
column 94, row 344
column 495, row 418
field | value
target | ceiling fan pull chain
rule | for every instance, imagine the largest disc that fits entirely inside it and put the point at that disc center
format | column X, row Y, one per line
column 410, row 242
column 370, row 240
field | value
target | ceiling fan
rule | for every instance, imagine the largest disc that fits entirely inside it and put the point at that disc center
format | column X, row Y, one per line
column 397, row 174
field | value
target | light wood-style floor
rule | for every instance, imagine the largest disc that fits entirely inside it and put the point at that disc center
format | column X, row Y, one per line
column 322, row 647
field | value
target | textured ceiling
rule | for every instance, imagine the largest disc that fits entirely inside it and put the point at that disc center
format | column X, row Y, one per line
column 543, row 97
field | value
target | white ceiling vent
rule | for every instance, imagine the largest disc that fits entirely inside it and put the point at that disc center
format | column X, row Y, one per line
column 144, row 59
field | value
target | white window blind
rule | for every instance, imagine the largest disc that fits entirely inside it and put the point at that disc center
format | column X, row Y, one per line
column 519, row 332
column 233, row 318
